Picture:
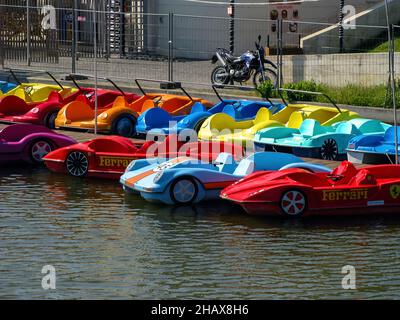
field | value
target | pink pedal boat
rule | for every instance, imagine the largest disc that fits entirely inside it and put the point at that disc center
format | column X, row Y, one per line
column 29, row 143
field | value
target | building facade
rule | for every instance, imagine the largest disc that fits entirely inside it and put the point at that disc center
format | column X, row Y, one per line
column 189, row 29
column 212, row 29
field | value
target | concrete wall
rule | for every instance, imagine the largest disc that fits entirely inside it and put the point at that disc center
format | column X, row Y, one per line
column 339, row 69
column 199, row 37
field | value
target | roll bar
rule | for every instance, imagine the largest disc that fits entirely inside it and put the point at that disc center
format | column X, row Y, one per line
column 15, row 77
column 307, row 92
column 72, row 77
column 34, row 71
column 165, row 85
column 215, row 86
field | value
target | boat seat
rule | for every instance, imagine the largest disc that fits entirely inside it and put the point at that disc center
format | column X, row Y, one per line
column 83, row 98
column 296, row 119
column 262, row 115
column 244, row 168
column 231, row 111
column 120, row 102
column 347, row 128
column 346, row 170
column 198, row 107
column 363, row 177
column 21, row 93
column 310, row 128
column 148, row 104
column 389, row 136
column 224, row 162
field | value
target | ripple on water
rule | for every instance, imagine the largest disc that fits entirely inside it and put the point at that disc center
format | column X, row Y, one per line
column 105, row 244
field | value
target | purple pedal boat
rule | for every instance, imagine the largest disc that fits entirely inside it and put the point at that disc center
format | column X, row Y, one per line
column 29, row 143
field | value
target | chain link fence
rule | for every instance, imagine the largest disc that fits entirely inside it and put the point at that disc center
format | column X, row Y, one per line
column 63, row 35
column 396, row 50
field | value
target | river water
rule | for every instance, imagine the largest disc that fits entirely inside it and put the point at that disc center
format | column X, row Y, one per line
column 106, row 244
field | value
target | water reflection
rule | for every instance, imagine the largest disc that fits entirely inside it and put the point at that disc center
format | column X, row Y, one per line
column 106, row 244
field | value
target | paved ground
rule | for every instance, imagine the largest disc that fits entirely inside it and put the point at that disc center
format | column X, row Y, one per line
column 126, row 70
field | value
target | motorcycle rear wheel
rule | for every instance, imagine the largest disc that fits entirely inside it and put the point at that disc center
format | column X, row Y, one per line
column 268, row 75
column 220, row 76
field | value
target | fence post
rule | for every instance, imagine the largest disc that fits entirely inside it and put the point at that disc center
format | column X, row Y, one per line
column 279, row 51
column 232, row 26
column 341, row 29
column 170, row 47
column 95, row 65
column 122, row 30
column 74, row 35
column 393, row 85
column 2, row 53
column 28, row 34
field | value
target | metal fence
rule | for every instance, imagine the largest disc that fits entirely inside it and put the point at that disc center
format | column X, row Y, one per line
column 396, row 57
column 60, row 35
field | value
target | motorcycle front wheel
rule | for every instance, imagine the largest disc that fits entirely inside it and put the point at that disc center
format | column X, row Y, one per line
column 267, row 74
column 220, row 76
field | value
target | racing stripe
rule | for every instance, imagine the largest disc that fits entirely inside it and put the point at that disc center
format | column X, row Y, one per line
column 130, row 182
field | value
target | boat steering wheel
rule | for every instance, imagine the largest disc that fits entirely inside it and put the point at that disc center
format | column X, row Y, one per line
column 28, row 90
column 157, row 100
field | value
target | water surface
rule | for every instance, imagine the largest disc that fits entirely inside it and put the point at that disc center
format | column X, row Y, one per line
column 106, row 244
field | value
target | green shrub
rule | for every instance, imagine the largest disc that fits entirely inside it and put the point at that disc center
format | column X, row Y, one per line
column 266, row 89
column 306, row 85
column 384, row 47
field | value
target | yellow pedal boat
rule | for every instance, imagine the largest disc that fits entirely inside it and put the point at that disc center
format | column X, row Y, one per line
column 223, row 127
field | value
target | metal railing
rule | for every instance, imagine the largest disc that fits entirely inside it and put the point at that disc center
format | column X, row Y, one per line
column 133, row 43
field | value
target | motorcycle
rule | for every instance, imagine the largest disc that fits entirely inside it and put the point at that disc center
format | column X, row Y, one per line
column 241, row 69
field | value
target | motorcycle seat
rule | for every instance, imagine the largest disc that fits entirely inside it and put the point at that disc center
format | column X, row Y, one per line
column 232, row 58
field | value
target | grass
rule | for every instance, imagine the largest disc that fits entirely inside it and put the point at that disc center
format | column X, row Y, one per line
column 356, row 95
column 384, row 47
column 350, row 94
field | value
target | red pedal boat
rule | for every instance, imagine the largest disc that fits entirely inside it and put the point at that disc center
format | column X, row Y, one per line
column 108, row 156
column 295, row 192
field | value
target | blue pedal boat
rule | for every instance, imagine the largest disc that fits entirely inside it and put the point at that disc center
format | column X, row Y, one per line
column 185, row 180
column 159, row 121
column 6, row 86
column 374, row 149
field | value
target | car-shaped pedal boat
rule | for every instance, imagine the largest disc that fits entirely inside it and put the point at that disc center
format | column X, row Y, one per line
column 374, row 149
column 119, row 117
column 312, row 140
column 108, row 156
column 161, row 121
column 13, row 109
column 29, row 143
column 6, row 86
column 296, row 193
column 37, row 92
column 226, row 128
column 185, row 180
